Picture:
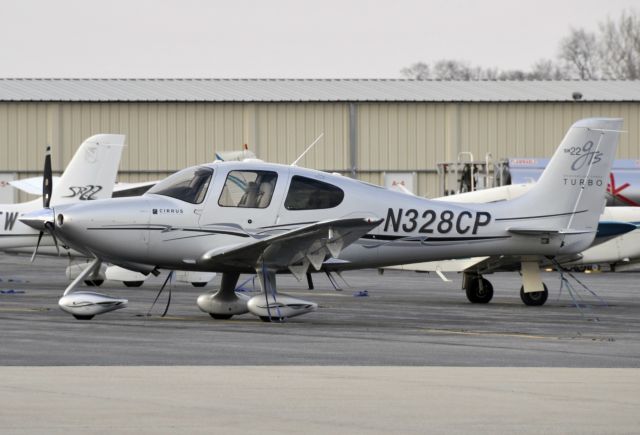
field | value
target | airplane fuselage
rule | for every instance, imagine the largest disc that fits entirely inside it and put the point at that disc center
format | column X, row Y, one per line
column 172, row 233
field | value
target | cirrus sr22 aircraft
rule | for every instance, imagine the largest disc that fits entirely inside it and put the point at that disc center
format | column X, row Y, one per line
column 256, row 217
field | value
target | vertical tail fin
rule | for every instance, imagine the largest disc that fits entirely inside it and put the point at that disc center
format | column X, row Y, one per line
column 92, row 171
column 570, row 194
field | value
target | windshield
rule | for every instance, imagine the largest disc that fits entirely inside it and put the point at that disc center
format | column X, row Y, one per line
column 188, row 185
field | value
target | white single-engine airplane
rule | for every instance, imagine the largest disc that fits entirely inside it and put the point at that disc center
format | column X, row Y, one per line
column 250, row 216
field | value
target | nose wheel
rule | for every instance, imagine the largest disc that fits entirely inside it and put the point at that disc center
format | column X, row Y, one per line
column 479, row 290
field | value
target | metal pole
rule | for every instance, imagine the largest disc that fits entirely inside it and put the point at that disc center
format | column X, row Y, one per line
column 353, row 140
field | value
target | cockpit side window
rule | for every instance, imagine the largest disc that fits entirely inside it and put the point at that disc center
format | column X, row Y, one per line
column 248, row 189
column 309, row 194
column 188, row 185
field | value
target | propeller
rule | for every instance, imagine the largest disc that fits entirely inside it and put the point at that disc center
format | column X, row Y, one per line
column 47, row 189
column 47, row 179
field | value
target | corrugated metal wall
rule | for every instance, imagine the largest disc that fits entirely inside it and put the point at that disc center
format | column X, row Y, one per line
column 163, row 137
column 405, row 136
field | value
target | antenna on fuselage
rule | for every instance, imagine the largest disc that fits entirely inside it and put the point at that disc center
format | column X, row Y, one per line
column 295, row 163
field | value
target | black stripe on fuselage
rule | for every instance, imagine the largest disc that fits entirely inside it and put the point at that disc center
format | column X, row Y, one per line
column 229, row 233
column 287, row 225
column 430, row 239
column 541, row 216
column 126, row 228
column 207, row 232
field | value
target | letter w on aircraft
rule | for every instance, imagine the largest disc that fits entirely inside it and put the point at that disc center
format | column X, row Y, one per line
column 10, row 220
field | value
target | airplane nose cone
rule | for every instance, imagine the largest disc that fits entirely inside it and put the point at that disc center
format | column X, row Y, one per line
column 38, row 219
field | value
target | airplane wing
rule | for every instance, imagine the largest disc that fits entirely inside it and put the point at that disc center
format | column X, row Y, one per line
column 295, row 249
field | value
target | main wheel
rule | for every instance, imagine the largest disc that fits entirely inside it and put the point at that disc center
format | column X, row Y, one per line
column 133, row 283
column 199, row 284
column 479, row 291
column 93, row 282
column 221, row 316
column 534, row 299
column 79, row 317
column 268, row 319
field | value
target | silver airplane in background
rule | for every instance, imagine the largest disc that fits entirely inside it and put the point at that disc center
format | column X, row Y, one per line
column 256, row 217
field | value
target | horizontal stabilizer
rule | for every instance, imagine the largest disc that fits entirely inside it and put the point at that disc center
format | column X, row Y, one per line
column 458, row 265
column 523, row 231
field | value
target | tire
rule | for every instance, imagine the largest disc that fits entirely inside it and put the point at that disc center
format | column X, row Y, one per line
column 534, row 299
column 199, row 284
column 79, row 317
column 221, row 316
column 479, row 294
column 133, row 283
column 268, row 319
column 94, row 282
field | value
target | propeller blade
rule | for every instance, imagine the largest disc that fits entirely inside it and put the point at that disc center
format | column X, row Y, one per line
column 33, row 257
column 50, row 229
column 47, row 179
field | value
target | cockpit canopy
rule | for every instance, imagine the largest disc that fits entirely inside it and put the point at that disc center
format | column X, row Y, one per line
column 188, row 185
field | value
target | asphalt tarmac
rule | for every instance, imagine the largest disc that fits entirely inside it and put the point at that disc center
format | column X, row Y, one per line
column 406, row 319
column 412, row 356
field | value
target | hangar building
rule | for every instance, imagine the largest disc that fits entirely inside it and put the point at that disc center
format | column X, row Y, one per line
column 370, row 126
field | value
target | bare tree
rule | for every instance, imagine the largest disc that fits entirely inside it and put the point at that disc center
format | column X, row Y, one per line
column 547, row 69
column 611, row 53
column 579, row 51
column 449, row 69
column 512, row 74
column 619, row 47
column 417, row 71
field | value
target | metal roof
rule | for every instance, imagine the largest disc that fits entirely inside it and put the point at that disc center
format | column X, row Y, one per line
column 311, row 90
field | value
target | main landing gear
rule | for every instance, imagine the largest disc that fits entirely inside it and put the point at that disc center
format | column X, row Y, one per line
column 534, row 299
column 480, row 291
column 269, row 306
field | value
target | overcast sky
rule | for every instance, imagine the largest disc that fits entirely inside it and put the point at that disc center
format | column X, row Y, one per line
column 281, row 38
